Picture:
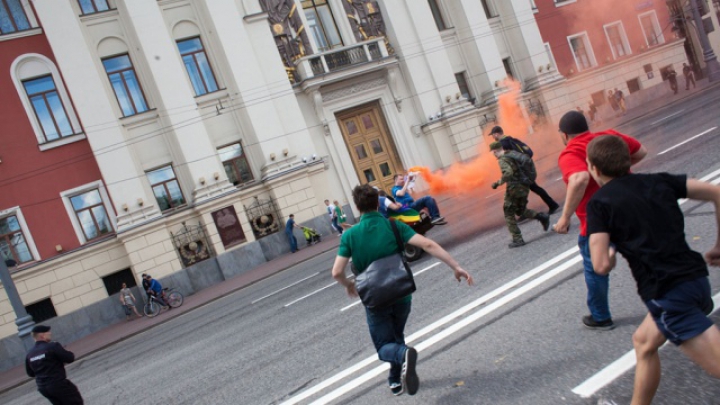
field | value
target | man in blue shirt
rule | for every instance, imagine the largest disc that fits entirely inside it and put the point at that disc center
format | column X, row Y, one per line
column 402, row 196
column 156, row 289
column 289, row 225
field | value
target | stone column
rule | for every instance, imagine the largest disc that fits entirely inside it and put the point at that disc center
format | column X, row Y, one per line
column 417, row 41
column 198, row 157
column 528, row 50
column 480, row 47
column 85, row 83
column 268, row 105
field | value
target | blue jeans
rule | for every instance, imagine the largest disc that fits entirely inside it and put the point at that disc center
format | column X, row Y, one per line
column 293, row 241
column 597, row 285
column 426, row 202
column 387, row 330
column 336, row 226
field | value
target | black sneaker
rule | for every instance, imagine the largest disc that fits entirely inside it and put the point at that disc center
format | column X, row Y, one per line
column 591, row 323
column 409, row 378
column 438, row 221
column 544, row 220
column 396, row 389
column 516, row 243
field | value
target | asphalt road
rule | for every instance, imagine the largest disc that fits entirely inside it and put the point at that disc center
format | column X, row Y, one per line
column 514, row 338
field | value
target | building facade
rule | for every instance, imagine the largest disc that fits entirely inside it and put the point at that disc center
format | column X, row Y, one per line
column 603, row 46
column 178, row 135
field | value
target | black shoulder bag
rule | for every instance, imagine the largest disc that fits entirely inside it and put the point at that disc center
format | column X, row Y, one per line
column 387, row 279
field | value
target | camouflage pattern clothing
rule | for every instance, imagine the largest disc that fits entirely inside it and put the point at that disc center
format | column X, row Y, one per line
column 516, row 196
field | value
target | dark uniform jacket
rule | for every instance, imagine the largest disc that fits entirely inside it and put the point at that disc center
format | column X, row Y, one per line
column 46, row 363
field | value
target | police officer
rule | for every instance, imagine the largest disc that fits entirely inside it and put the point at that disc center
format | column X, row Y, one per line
column 46, row 363
column 516, row 194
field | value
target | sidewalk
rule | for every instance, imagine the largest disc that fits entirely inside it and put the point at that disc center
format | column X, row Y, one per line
column 639, row 111
column 122, row 330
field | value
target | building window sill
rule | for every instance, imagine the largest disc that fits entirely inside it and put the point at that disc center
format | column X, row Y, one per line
column 132, row 121
column 21, row 34
column 62, row 141
column 210, row 98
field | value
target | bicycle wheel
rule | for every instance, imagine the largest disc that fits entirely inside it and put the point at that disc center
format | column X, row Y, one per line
column 175, row 299
column 151, row 309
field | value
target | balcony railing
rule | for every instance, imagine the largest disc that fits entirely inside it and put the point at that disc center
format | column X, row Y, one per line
column 341, row 58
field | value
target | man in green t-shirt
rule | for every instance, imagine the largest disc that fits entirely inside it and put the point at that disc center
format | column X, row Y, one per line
column 372, row 239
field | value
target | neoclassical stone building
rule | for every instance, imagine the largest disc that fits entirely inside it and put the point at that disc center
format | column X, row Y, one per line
column 175, row 137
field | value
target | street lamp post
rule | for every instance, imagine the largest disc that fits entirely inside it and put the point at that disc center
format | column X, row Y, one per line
column 711, row 62
column 23, row 321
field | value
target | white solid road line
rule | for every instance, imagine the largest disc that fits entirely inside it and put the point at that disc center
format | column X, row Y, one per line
column 309, row 295
column 627, row 361
column 284, row 288
column 687, row 140
column 664, row 118
column 414, row 274
column 342, row 390
column 616, row 368
column 442, row 322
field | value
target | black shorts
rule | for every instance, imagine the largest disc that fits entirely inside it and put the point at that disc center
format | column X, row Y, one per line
column 682, row 313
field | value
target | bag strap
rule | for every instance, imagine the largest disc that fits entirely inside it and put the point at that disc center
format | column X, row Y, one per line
column 398, row 239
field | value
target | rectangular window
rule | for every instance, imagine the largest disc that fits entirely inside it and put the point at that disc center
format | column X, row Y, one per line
column 48, row 107
column 618, row 40
column 651, row 28
column 633, row 85
column 489, row 11
column 13, row 17
column 124, row 81
column 91, row 214
column 42, row 310
column 93, row 6
column 197, row 65
column 166, row 188
column 12, row 241
column 437, row 15
column 582, row 52
column 113, row 282
column 321, row 24
column 235, row 163
column 507, row 64
column 461, row 79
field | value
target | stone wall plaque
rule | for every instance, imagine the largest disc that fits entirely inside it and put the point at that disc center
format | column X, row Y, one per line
column 228, row 226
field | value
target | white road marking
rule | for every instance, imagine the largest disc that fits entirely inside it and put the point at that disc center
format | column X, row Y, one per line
column 559, row 178
column 664, row 118
column 414, row 274
column 628, row 360
column 309, row 295
column 450, row 330
column 616, row 369
column 284, row 288
column 687, row 140
column 439, row 323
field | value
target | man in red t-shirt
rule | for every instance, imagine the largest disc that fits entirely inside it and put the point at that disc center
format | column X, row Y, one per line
column 580, row 187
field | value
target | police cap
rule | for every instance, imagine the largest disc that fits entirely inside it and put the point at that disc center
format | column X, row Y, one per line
column 40, row 329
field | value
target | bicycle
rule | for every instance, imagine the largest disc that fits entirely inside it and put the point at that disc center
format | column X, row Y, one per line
column 153, row 306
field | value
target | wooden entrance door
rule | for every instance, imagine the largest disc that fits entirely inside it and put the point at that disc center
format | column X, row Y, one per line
column 370, row 146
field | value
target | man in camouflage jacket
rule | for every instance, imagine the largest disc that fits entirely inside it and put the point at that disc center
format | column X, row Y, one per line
column 516, row 194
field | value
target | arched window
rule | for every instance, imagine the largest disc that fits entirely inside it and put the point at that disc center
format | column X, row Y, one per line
column 123, row 79
column 195, row 58
column 46, row 101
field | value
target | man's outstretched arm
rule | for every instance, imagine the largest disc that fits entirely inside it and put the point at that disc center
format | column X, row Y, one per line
column 698, row 190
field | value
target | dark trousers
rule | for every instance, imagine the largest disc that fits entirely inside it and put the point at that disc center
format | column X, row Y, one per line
column 544, row 195
column 387, row 330
column 62, row 393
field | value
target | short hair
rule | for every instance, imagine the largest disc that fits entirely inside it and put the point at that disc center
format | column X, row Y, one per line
column 365, row 198
column 610, row 154
column 496, row 130
column 398, row 175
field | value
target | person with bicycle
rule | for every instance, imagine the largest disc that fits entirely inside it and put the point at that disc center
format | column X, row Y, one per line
column 155, row 289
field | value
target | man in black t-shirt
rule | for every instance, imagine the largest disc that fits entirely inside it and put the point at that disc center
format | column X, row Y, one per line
column 638, row 216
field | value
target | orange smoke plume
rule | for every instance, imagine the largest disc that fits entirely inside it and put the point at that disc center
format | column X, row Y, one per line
column 462, row 177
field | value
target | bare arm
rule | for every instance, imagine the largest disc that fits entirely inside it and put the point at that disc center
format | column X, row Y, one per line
column 436, row 250
column 698, row 190
column 602, row 255
column 338, row 273
column 638, row 156
column 403, row 190
column 577, row 183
